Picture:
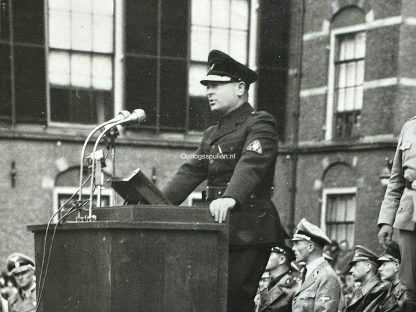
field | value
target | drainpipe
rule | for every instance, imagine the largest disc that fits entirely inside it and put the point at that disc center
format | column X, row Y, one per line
column 296, row 109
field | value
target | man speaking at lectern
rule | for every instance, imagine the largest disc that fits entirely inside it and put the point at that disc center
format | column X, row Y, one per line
column 237, row 157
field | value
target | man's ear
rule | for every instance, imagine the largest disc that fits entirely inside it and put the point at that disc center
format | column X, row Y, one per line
column 241, row 88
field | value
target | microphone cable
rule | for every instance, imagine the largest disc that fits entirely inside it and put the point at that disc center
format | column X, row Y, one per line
column 46, row 236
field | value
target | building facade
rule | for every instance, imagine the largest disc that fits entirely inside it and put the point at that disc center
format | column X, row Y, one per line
column 350, row 90
column 337, row 75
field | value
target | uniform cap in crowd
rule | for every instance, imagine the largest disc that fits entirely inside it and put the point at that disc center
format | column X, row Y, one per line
column 286, row 251
column 223, row 68
column 363, row 254
column 18, row 263
column 310, row 232
column 392, row 253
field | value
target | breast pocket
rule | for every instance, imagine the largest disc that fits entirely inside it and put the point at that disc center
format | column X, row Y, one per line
column 305, row 302
column 231, row 151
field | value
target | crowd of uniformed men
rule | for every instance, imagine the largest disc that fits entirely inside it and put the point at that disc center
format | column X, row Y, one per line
column 312, row 277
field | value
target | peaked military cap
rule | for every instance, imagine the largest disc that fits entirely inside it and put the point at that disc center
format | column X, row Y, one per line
column 223, row 68
column 18, row 263
column 392, row 253
column 286, row 251
column 310, row 232
column 363, row 254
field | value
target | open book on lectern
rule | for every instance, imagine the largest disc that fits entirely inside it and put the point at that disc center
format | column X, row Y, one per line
column 137, row 188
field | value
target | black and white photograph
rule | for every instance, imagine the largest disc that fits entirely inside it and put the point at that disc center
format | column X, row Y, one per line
column 208, row 155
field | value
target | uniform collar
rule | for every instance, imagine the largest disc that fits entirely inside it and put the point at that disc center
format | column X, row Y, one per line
column 369, row 285
column 310, row 267
column 237, row 114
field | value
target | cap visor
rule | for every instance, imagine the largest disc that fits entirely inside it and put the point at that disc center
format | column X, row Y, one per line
column 215, row 78
column 21, row 269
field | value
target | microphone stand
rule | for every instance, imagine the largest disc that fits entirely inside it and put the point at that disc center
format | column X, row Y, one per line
column 123, row 114
column 139, row 115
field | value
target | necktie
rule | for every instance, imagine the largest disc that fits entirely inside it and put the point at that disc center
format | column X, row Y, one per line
column 303, row 274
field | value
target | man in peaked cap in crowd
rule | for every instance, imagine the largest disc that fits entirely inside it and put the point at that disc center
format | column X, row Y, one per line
column 398, row 209
column 389, row 271
column 372, row 291
column 23, row 269
column 278, row 295
column 320, row 289
column 237, row 157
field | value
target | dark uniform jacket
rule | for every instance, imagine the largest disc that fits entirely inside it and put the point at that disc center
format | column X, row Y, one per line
column 368, row 297
column 237, row 157
column 395, row 299
column 398, row 205
column 23, row 301
column 321, row 291
column 279, row 295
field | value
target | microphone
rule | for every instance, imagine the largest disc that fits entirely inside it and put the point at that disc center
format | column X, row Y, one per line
column 138, row 115
column 120, row 116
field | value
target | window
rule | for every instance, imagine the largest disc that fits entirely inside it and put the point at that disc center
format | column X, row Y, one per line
column 338, row 217
column 22, row 62
column 216, row 24
column 349, row 79
column 63, row 193
column 80, row 65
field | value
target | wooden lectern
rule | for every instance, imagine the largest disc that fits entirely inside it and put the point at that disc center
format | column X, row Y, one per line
column 136, row 258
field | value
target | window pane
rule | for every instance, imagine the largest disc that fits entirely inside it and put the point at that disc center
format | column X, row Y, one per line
column 220, row 13
column 81, row 70
column 360, row 45
column 350, row 75
column 341, row 100
column 199, row 43
column 103, row 34
column 63, row 5
column 349, row 99
column 59, row 29
column 340, row 214
column 239, row 14
column 102, row 72
column 81, row 31
column 102, row 7
column 4, row 20
column 196, row 73
column 359, row 98
column 201, row 12
column 84, row 6
column 360, row 72
column 59, row 68
column 342, row 75
column 238, row 46
column 219, row 40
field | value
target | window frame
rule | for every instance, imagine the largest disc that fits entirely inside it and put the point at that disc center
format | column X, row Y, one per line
column 70, row 190
column 330, row 102
column 117, row 68
column 335, row 191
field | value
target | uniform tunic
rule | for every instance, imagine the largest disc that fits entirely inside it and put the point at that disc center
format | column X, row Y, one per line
column 237, row 157
column 398, row 207
column 321, row 291
column 23, row 301
column 368, row 297
column 279, row 295
column 395, row 298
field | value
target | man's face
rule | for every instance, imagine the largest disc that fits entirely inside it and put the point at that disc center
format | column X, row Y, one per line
column 24, row 279
column 301, row 250
column 359, row 270
column 223, row 96
column 388, row 270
